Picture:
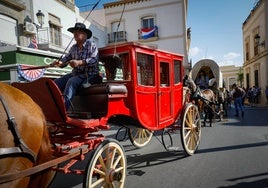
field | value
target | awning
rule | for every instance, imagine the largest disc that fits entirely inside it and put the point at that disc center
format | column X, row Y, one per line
column 54, row 20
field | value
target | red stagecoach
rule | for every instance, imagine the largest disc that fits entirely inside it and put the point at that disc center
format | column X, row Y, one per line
column 142, row 91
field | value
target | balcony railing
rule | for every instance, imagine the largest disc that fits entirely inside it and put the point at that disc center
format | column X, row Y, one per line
column 120, row 36
column 57, row 44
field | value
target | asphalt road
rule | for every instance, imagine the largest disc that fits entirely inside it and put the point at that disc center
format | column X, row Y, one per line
column 233, row 153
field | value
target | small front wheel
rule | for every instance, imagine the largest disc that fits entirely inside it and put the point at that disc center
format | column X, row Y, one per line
column 140, row 137
column 167, row 140
column 107, row 166
column 190, row 129
column 121, row 134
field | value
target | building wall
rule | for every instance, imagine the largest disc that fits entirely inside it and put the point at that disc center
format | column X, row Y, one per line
column 11, row 18
column 171, row 37
column 256, row 23
column 229, row 75
column 16, row 11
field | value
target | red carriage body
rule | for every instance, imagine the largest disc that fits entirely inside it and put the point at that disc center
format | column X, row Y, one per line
column 153, row 85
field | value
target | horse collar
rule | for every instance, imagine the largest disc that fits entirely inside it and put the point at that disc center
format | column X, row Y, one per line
column 21, row 148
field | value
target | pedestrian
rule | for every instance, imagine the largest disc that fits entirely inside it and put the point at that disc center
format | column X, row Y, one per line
column 202, row 80
column 250, row 96
column 237, row 95
column 266, row 93
column 83, row 58
column 244, row 96
column 255, row 94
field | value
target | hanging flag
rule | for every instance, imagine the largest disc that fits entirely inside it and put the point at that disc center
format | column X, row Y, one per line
column 148, row 32
column 30, row 75
column 33, row 43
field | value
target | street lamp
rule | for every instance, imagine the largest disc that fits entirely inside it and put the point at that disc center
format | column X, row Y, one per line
column 40, row 17
column 257, row 41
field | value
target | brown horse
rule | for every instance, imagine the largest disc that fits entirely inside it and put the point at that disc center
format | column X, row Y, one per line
column 206, row 104
column 205, row 99
column 32, row 129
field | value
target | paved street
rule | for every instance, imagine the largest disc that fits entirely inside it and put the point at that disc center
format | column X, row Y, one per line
column 232, row 153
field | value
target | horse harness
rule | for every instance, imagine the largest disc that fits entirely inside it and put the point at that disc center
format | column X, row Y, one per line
column 20, row 149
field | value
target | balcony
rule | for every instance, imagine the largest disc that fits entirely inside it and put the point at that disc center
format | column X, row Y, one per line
column 58, row 43
column 148, row 34
column 120, row 36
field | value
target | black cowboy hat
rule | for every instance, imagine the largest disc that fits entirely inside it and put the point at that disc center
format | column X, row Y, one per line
column 80, row 27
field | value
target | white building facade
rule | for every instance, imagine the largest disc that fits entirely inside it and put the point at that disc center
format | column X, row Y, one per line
column 138, row 17
column 166, row 20
column 27, row 40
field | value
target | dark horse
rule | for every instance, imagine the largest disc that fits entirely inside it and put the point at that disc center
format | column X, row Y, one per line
column 29, row 132
column 205, row 99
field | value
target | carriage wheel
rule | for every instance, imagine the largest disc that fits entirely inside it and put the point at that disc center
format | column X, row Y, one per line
column 190, row 129
column 107, row 166
column 139, row 137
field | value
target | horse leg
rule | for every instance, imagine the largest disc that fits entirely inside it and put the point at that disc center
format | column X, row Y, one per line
column 206, row 116
column 210, row 114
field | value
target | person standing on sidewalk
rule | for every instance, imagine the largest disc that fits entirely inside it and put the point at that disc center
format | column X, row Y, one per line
column 237, row 95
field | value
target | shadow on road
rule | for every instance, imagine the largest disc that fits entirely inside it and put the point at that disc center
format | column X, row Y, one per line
column 259, row 144
column 136, row 161
column 262, row 183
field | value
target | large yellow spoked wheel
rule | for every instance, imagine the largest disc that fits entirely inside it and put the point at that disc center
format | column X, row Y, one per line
column 190, row 129
column 139, row 137
column 107, row 166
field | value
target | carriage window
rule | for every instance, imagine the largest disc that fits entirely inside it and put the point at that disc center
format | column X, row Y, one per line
column 164, row 74
column 145, row 69
column 115, row 68
column 177, row 71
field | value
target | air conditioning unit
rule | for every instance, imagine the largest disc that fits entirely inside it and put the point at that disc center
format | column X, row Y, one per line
column 29, row 28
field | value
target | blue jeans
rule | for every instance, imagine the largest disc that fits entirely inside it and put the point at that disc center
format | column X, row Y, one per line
column 70, row 83
column 238, row 104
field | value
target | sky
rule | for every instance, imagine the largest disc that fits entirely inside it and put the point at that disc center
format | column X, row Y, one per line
column 216, row 28
column 88, row 4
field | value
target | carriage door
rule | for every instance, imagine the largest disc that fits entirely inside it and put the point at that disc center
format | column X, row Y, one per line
column 164, row 93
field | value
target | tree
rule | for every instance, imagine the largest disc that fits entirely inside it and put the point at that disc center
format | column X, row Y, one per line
column 240, row 77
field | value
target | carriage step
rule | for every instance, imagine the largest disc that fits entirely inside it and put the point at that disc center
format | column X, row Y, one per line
column 80, row 115
column 172, row 148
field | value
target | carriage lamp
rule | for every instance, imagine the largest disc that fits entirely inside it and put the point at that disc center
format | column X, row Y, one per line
column 257, row 40
column 40, row 17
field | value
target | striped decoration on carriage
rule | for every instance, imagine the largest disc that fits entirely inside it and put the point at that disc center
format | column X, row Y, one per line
column 30, row 75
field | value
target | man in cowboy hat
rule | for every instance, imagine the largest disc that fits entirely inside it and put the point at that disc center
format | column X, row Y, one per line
column 83, row 58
